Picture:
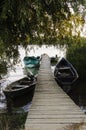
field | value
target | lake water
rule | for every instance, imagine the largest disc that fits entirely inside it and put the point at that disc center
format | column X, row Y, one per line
column 18, row 71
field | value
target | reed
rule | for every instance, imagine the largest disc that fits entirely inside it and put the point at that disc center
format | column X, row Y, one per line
column 12, row 122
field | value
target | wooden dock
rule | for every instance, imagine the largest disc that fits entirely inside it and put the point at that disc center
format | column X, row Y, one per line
column 52, row 108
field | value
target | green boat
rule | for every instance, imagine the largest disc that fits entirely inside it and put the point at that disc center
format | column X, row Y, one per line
column 31, row 61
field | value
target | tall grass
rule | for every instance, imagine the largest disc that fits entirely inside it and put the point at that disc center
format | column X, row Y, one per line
column 77, row 56
column 12, row 122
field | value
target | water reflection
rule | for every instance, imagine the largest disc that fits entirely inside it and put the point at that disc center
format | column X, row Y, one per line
column 81, row 89
column 2, row 98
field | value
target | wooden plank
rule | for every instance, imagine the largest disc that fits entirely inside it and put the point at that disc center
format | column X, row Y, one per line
column 68, row 126
column 54, row 116
column 55, row 112
column 54, row 121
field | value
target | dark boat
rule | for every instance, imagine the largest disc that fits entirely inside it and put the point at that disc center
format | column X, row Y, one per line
column 31, row 61
column 65, row 74
column 53, row 60
column 20, row 87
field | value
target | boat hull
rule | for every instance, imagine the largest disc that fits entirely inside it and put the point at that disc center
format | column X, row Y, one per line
column 19, row 88
column 31, row 62
column 65, row 74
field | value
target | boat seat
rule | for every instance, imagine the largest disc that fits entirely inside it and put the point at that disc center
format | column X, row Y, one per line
column 25, row 82
column 64, row 68
column 18, row 86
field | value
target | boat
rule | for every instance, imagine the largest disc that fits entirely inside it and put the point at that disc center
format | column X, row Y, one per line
column 20, row 87
column 65, row 74
column 31, row 61
column 53, row 60
column 33, row 70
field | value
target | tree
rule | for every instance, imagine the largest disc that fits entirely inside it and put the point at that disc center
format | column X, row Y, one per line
column 34, row 18
column 36, row 21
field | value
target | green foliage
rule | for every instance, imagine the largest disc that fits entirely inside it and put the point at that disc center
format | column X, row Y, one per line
column 77, row 56
column 36, row 22
column 33, row 19
column 3, row 67
column 12, row 122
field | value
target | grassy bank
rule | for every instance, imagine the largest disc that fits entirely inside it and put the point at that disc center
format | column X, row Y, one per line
column 12, row 122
